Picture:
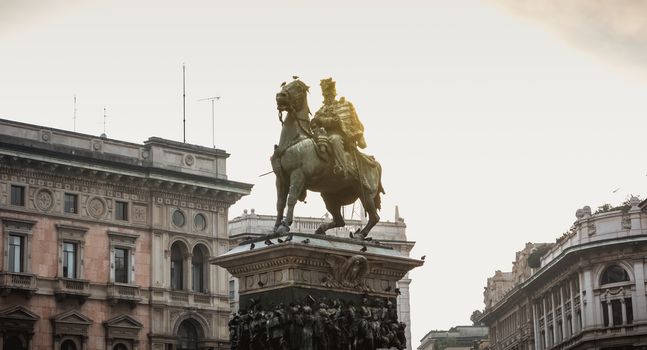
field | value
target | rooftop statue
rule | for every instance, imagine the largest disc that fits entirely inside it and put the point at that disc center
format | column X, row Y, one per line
column 322, row 156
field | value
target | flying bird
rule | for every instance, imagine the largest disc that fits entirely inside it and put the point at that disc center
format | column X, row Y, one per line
column 306, row 241
column 616, row 190
column 252, row 246
column 423, row 257
column 363, row 249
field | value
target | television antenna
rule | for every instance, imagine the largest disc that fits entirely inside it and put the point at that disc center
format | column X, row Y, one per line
column 213, row 117
column 74, row 117
column 104, row 122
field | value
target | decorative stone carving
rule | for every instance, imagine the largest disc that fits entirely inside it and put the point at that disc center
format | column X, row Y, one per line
column 583, row 213
column 626, row 222
column 347, row 272
column 189, row 160
column 591, row 228
column 139, row 213
column 44, row 200
column 45, row 135
column 96, row 208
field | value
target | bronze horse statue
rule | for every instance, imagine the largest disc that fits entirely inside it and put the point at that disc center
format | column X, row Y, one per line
column 299, row 165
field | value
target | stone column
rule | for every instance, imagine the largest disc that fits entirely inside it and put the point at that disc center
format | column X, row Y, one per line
column 610, row 313
column 404, row 308
column 543, row 300
column 572, row 293
column 189, row 272
column 586, row 297
column 638, row 298
column 553, row 335
column 562, row 307
column 535, row 325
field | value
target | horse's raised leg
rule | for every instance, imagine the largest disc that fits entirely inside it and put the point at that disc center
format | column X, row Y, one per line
column 334, row 208
column 368, row 201
column 297, row 186
column 281, row 199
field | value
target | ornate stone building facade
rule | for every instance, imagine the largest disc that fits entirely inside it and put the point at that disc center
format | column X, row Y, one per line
column 585, row 291
column 105, row 244
column 393, row 234
column 456, row 338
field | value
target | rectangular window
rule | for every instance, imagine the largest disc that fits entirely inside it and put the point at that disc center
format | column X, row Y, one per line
column 70, row 203
column 176, row 274
column 616, row 309
column 69, row 260
column 605, row 314
column 121, row 211
column 629, row 309
column 196, row 270
column 16, row 253
column 121, row 265
column 17, row 195
column 578, row 321
column 232, row 290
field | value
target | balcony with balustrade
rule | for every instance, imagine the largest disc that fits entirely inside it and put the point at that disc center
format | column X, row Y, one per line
column 72, row 288
column 124, row 293
column 11, row 282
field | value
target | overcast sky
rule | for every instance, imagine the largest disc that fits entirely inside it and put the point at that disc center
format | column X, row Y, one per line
column 493, row 120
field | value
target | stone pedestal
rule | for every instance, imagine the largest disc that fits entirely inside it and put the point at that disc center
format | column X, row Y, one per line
column 316, row 292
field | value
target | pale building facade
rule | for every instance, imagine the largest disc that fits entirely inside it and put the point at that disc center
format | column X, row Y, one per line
column 456, row 338
column 393, row 234
column 106, row 243
column 585, row 291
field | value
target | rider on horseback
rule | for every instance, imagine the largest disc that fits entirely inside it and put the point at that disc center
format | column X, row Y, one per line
column 342, row 125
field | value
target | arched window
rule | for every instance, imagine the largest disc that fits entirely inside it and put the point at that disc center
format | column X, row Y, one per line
column 68, row 345
column 187, row 336
column 199, row 268
column 177, row 266
column 614, row 274
column 120, row 347
column 13, row 342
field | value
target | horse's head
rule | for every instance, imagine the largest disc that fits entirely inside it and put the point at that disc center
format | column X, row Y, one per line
column 292, row 97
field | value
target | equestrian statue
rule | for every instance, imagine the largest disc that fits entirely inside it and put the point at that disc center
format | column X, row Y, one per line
column 321, row 155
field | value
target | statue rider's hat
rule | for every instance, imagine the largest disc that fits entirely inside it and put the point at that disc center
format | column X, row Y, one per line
column 327, row 84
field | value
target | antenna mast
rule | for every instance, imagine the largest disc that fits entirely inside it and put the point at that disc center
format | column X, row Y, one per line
column 213, row 118
column 74, row 113
column 184, row 102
